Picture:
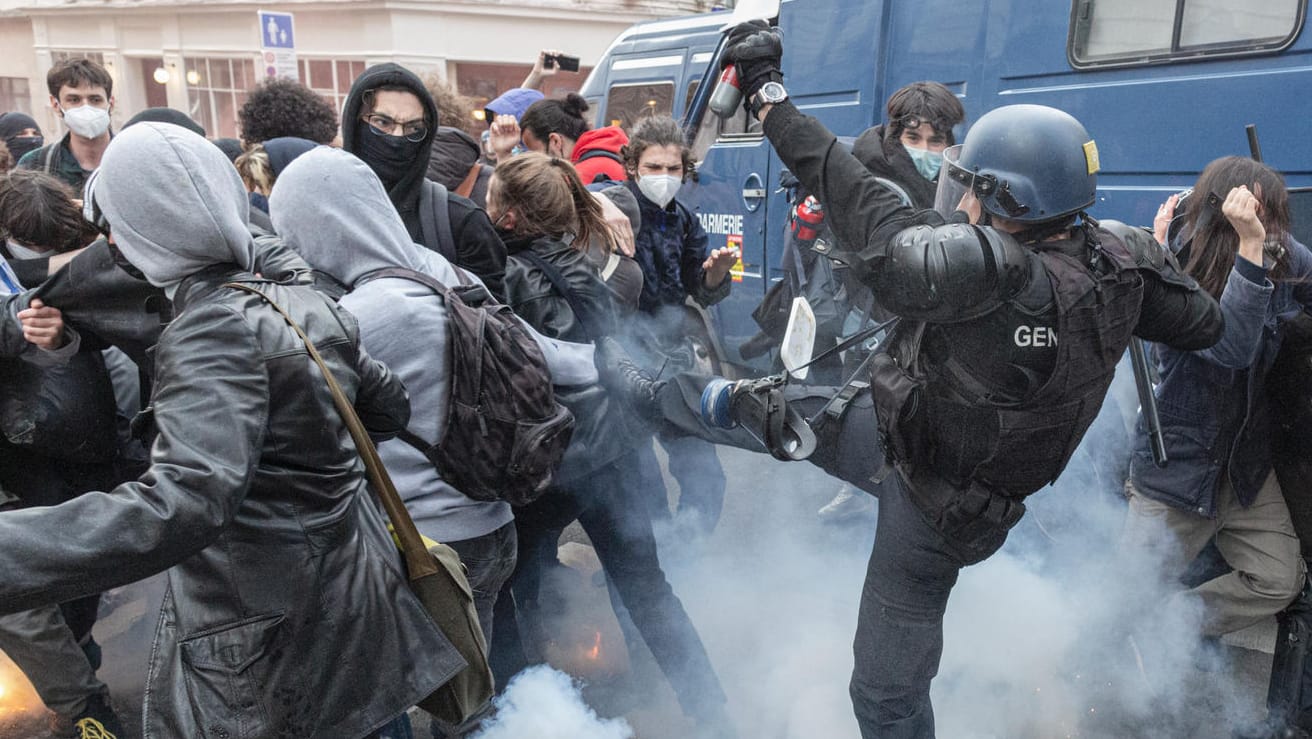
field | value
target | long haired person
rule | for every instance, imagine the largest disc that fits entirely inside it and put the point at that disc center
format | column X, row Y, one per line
column 546, row 218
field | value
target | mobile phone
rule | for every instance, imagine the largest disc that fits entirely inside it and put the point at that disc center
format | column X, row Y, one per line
column 565, row 62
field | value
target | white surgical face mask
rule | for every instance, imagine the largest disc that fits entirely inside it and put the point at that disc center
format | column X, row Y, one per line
column 659, row 188
column 87, row 121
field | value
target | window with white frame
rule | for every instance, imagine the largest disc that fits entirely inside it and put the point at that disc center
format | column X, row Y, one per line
column 331, row 78
column 15, row 95
column 216, row 90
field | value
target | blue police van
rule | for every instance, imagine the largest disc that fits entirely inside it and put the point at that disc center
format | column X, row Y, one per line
column 652, row 68
column 1164, row 86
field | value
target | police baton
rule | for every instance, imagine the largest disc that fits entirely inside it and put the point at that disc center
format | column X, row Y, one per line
column 1147, row 400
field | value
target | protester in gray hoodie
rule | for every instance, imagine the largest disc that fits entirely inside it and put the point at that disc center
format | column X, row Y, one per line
column 284, row 586
column 331, row 208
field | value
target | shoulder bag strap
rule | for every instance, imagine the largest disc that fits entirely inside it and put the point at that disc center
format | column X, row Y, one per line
column 562, row 286
column 467, row 185
column 418, row 562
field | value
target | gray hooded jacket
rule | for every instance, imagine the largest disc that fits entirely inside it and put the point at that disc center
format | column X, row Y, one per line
column 331, row 208
column 287, row 612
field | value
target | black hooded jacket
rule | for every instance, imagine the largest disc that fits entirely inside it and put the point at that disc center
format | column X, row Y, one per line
column 477, row 246
column 454, row 155
column 887, row 157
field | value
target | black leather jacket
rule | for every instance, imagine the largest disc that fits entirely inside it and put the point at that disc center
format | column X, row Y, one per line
column 531, row 295
column 287, row 611
column 604, row 430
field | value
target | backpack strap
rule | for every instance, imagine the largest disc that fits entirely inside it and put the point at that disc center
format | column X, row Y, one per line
column 436, row 286
column 467, row 185
column 599, row 153
column 435, row 219
column 562, row 286
column 48, row 165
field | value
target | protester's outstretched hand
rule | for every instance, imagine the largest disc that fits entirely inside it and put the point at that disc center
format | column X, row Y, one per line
column 757, row 49
column 504, row 136
column 718, row 264
column 43, row 325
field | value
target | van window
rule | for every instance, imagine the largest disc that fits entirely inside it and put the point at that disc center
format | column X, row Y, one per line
column 1107, row 32
column 692, row 93
column 628, row 104
column 714, row 128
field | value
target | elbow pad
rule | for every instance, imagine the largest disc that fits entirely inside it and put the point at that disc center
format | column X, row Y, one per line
column 953, row 272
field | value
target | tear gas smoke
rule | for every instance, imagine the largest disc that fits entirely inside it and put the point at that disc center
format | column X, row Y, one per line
column 546, row 704
column 1059, row 634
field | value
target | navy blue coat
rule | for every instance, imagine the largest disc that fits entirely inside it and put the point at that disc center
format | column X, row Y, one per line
column 671, row 248
column 1216, row 416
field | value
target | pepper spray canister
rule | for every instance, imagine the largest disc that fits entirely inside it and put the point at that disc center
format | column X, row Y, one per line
column 726, row 97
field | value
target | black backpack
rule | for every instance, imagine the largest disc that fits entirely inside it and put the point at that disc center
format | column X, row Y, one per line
column 505, row 432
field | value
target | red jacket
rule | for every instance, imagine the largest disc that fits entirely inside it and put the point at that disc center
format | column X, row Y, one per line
column 606, row 143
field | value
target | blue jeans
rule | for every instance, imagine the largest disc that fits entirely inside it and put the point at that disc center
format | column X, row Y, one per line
column 489, row 561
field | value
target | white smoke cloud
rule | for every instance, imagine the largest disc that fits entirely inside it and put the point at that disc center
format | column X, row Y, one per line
column 1058, row 635
column 543, row 703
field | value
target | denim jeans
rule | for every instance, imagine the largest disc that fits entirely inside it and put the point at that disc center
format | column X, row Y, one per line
column 620, row 530
column 489, row 561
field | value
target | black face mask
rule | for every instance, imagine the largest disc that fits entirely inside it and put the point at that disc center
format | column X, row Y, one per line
column 20, row 145
column 390, row 157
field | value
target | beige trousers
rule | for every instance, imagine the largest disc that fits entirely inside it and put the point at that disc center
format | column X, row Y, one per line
column 1258, row 542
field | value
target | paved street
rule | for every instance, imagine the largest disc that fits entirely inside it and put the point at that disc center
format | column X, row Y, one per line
column 774, row 594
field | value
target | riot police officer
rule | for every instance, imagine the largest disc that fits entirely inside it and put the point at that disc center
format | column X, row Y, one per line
column 1015, row 308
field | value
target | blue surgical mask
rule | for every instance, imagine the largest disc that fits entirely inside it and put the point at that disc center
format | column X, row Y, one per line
column 927, row 162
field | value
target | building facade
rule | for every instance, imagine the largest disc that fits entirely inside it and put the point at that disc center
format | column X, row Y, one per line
column 202, row 56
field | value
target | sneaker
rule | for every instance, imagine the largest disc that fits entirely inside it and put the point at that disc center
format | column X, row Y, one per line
column 848, row 503
column 98, row 720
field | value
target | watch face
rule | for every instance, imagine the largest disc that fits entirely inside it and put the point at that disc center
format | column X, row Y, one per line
column 773, row 92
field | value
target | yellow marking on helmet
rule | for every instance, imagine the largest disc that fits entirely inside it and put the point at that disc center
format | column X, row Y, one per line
column 1091, row 156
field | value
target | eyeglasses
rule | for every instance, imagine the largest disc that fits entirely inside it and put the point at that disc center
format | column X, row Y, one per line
column 383, row 125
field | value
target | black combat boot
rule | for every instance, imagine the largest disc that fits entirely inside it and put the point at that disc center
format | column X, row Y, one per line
column 759, row 406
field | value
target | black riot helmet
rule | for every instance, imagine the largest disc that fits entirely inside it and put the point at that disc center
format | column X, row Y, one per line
column 1025, row 163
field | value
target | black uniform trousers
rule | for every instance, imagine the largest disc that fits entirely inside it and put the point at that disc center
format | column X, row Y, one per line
column 912, row 568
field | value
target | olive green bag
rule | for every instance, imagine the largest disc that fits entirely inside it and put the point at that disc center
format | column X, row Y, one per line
column 435, row 572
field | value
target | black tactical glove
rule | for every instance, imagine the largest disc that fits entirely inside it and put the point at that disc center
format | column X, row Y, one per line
column 756, row 48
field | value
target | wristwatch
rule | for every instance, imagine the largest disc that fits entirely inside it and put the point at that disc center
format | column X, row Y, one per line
column 771, row 93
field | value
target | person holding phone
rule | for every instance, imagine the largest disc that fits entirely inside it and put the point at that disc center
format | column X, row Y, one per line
column 549, row 62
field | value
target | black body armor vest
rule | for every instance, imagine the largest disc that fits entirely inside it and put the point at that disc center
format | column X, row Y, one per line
column 939, row 424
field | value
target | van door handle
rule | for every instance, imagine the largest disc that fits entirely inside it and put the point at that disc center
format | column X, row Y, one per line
column 753, row 192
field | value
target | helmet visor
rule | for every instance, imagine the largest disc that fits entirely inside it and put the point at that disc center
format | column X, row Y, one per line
column 954, row 184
